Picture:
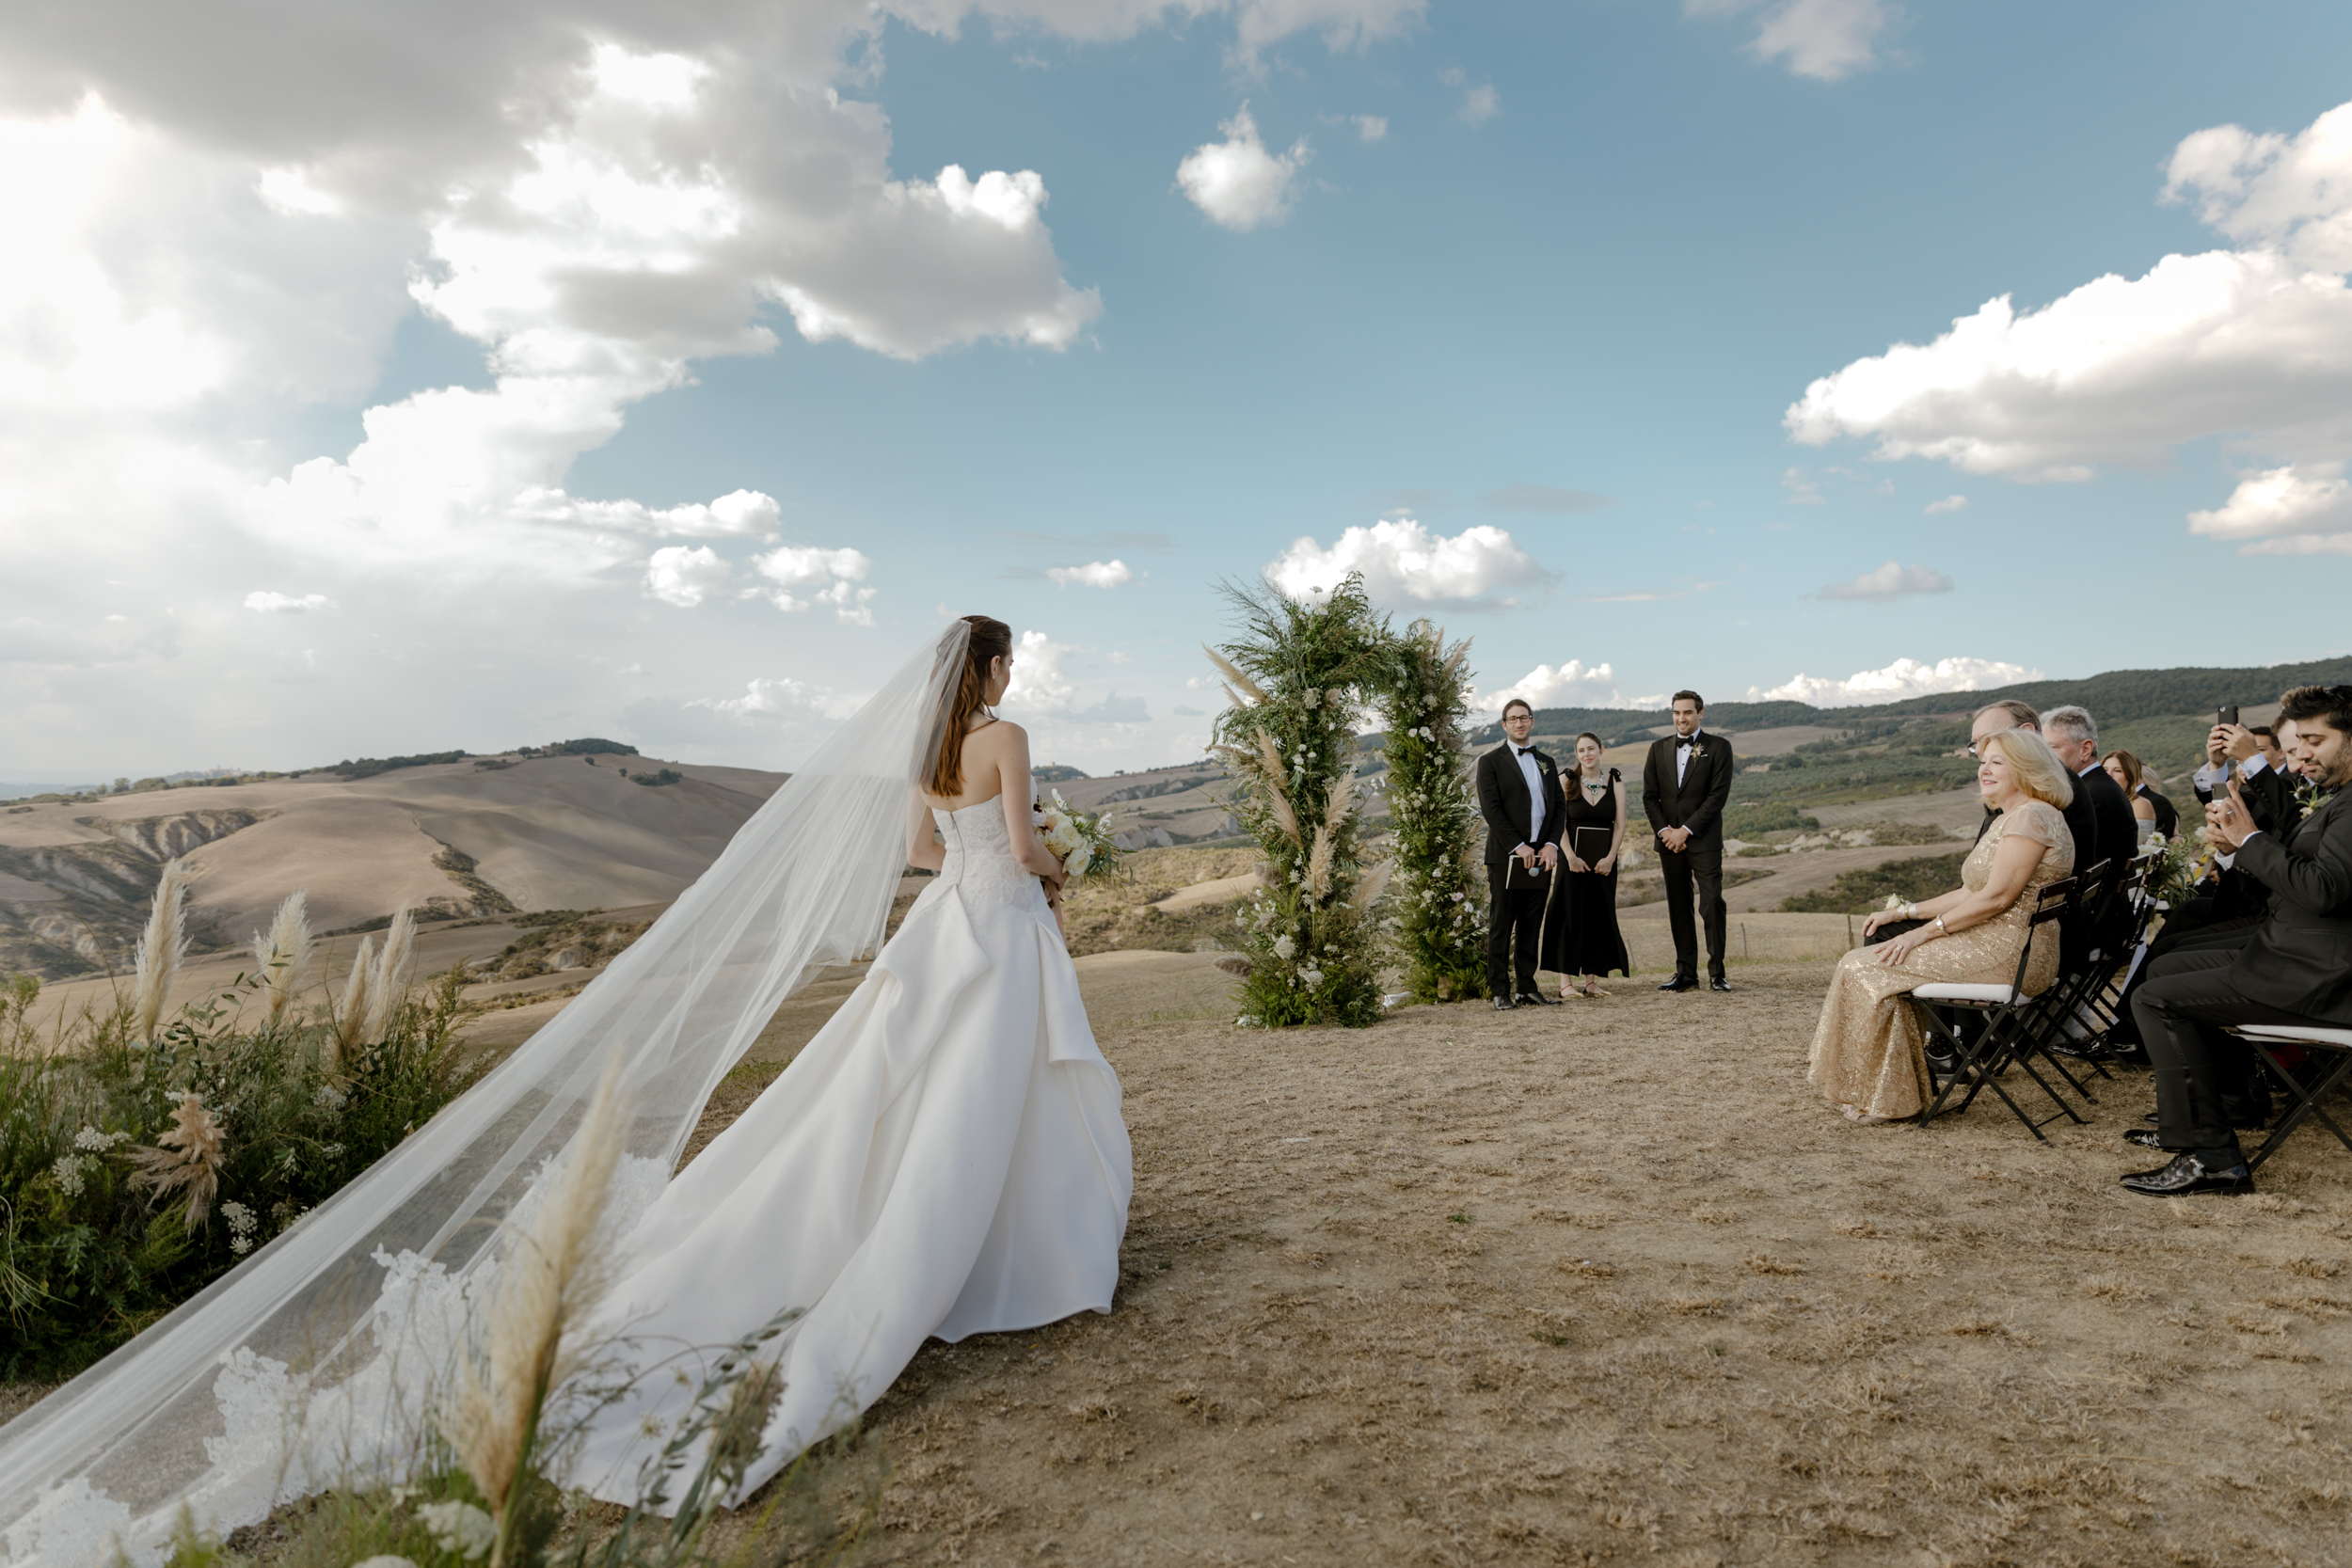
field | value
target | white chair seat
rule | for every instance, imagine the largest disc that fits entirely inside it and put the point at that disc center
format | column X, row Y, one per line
column 1990, row 996
column 2301, row 1034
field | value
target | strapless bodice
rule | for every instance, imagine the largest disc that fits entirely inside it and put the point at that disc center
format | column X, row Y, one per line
column 979, row 858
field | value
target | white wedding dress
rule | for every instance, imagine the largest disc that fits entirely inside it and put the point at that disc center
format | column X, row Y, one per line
column 944, row 1158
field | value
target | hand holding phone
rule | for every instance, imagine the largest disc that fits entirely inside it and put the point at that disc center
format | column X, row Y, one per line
column 2227, row 714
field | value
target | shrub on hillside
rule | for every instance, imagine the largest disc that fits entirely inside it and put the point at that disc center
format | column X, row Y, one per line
column 134, row 1171
column 1754, row 819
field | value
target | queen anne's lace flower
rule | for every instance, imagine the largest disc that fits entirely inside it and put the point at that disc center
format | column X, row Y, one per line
column 457, row 1525
column 1284, row 947
column 67, row 1171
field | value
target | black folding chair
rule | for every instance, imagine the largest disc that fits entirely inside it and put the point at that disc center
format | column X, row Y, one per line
column 2096, row 1010
column 2337, row 1043
column 2061, row 1030
column 2013, row 1028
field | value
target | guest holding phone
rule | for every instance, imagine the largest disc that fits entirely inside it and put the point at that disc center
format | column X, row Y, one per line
column 1580, row 937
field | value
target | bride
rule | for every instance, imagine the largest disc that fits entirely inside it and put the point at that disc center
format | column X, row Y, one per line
column 945, row 1157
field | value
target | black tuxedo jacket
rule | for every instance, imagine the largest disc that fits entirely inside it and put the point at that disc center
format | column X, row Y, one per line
column 2111, row 809
column 2300, row 957
column 2271, row 801
column 1502, row 801
column 1697, row 801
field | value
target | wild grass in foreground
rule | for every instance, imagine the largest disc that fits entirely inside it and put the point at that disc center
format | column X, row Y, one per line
column 143, row 1154
column 518, row 1395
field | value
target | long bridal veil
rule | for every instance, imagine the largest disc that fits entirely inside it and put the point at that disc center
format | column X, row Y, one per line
column 294, row 1370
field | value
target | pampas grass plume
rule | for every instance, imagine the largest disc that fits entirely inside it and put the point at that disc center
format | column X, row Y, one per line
column 1278, row 799
column 1244, row 690
column 191, row 1165
column 389, row 986
column 359, row 1001
column 551, row 1276
column 161, row 947
column 1371, row 885
column 281, row 955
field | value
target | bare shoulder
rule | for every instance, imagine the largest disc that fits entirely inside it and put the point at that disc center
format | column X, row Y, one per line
column 1001, row 735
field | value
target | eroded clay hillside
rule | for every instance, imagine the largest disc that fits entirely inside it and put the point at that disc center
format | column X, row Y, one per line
column 472, row 838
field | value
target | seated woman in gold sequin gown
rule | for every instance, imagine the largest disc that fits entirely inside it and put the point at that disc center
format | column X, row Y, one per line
column 1869, row 1055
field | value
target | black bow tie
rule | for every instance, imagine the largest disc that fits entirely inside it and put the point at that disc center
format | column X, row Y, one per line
column 1685, row 745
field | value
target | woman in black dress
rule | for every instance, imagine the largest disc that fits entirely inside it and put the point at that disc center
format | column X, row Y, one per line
column 1580, row 939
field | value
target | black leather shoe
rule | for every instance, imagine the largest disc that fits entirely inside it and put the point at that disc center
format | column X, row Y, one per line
column 2144, row 1137
column 2151, row 1118
column 1718, row 983
column 2188, row 1173
column 1681, row 982
column 1504, row 1004
column 1536, row 999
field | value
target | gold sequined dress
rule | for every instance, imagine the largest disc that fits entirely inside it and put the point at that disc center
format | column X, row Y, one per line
column 1868, row 1050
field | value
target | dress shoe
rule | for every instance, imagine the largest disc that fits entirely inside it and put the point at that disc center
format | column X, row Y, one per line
column 1535, row 999
column 2189, row 1173
column 1718, row 983
column 1681, row 982
column 2146, row 1137
column 2151, row 1118
column 1504, row 1004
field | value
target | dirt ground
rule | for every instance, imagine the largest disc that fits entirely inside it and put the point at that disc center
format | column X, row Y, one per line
column 1606, row 1281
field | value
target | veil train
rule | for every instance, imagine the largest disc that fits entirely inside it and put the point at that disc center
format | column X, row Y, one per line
column 288, row 1373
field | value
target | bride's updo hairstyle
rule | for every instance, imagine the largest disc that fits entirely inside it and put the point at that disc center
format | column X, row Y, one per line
column 2034, row 765
column 991, row 640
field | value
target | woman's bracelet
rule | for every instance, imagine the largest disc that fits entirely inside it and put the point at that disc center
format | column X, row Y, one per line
column 1911, row 910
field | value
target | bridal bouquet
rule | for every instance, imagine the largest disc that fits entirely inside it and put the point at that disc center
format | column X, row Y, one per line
column 1083, row 844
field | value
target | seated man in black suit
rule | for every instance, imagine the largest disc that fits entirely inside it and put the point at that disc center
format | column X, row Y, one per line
column 2295, row 967
column 1519, row 795
column 2236, row 903
column 2073, row 735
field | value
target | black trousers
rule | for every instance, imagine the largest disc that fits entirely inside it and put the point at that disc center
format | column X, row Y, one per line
column 2203, row 1075
column 1700, row 866
column 1517, row 914
column 2186, row 930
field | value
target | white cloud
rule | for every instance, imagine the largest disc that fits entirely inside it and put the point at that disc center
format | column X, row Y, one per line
column 824, row 576
column 1893, row 580
column 1949, row 503
column 2253, row 344
column 1237, row 183
column 1114, row 709
column 1095, row 574
column 283, row 604
column 1905, row 678
column 1370, row 128
column 1804, row 490
column 761, row 696
column 1181, row 711
column 1478, row 105
column 1826, row 39
column 685, row 576
column 1403, row 563
column 1571, row 685
column 1038, row 680
column 2302, row 510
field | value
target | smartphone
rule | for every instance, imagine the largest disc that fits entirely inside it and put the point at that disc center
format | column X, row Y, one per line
column 2226, row 715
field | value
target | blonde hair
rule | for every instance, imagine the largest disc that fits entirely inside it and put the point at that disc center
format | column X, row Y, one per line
column 2130, row 762
column 2035, row 767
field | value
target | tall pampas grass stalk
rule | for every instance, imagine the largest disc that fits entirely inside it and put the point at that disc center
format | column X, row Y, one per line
column 1245, row 691
column 162, row 947
column 1371, row 885
column 551, row 1277
column 1277, row 797
column 281, row 955
column 357, row 1002
column 389, row 988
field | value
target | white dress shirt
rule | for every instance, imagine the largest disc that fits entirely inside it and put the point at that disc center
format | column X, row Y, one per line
column 2215, row 780
column 2211, row 779
column 1534, row 777
column 1685, row 749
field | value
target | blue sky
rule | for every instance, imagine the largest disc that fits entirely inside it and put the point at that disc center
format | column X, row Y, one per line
column 1547, row 324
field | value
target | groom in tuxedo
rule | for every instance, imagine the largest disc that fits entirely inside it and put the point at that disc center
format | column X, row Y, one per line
column 1684, row 785
column 1519, row 795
